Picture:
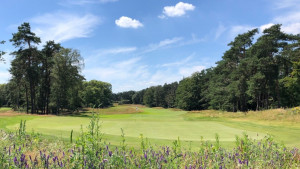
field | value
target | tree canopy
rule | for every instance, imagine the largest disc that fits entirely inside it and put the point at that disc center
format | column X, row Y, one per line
column 251, row 75
column 49, row 80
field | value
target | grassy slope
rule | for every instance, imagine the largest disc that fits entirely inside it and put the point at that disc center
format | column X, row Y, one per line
column 162, row 126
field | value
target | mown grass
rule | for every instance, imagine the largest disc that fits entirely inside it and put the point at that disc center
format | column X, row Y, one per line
column 162, row 126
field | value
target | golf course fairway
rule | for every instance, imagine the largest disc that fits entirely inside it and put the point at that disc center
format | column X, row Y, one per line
column 160, row 126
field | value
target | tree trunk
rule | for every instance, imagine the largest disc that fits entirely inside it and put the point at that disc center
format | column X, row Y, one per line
column 278, row 94
column 32, row 98
column 27, row 100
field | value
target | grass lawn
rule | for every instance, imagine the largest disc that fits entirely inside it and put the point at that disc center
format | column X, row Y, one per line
column 162, row 126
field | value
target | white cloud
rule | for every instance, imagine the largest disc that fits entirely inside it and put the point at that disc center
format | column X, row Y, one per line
column 168, row 41
column 126, row 22
column 293, row 28
column 289, row 15
column 64, row 26
column 178, row 63
column 119, row 70
column 115, row 51
column 187, row 71
column 282, row 4
column 179, row 9
column 162, row 44
column 288, row 18
column 4, row 67
column 123, row 75
column 239, row 29
column 162, row 16
column 135, row 74
column 220, row 30
column 290, row 22
column 162, row 76
column 5, row 76
column 266, row 26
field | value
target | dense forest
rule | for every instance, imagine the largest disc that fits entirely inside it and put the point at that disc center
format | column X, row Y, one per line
column 48, row 80
column 251, row 76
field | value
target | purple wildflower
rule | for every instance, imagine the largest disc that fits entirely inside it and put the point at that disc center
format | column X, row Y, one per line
column 22, row 159
column 15, row 160
column 240, row 161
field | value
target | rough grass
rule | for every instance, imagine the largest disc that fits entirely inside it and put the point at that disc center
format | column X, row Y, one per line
column 283, row 124
column 279, row 115
column 4, row 109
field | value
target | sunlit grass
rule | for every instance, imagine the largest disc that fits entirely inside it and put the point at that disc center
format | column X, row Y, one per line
column 283, row 124
column 164, row 125
column 4, row 109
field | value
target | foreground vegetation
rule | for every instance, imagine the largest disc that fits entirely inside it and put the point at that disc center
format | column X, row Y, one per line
column 20, row 150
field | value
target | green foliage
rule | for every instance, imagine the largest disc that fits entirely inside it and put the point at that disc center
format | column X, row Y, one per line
column 25, row 66
column 46, row 81
column 49, row 80
column 66, row 80
column 123, row 145
column 97, row 93
column 71, row 136
column 2, row 52
column 89, row 145
column 148, row 97
column 157, row 96
column 138, row 97
column 21, row 132
column 124, row 96
column 291, row 84
column 189, row 93
column 250, row 76
column 4, row 95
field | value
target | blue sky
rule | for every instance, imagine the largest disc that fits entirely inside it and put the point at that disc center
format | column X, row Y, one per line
column 134, row 44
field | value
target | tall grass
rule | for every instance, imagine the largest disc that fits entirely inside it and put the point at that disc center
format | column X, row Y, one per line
column 277, row 115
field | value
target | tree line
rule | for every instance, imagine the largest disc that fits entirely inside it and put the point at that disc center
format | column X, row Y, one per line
column 250, row 76
column 253, row 74
column 49, row 80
